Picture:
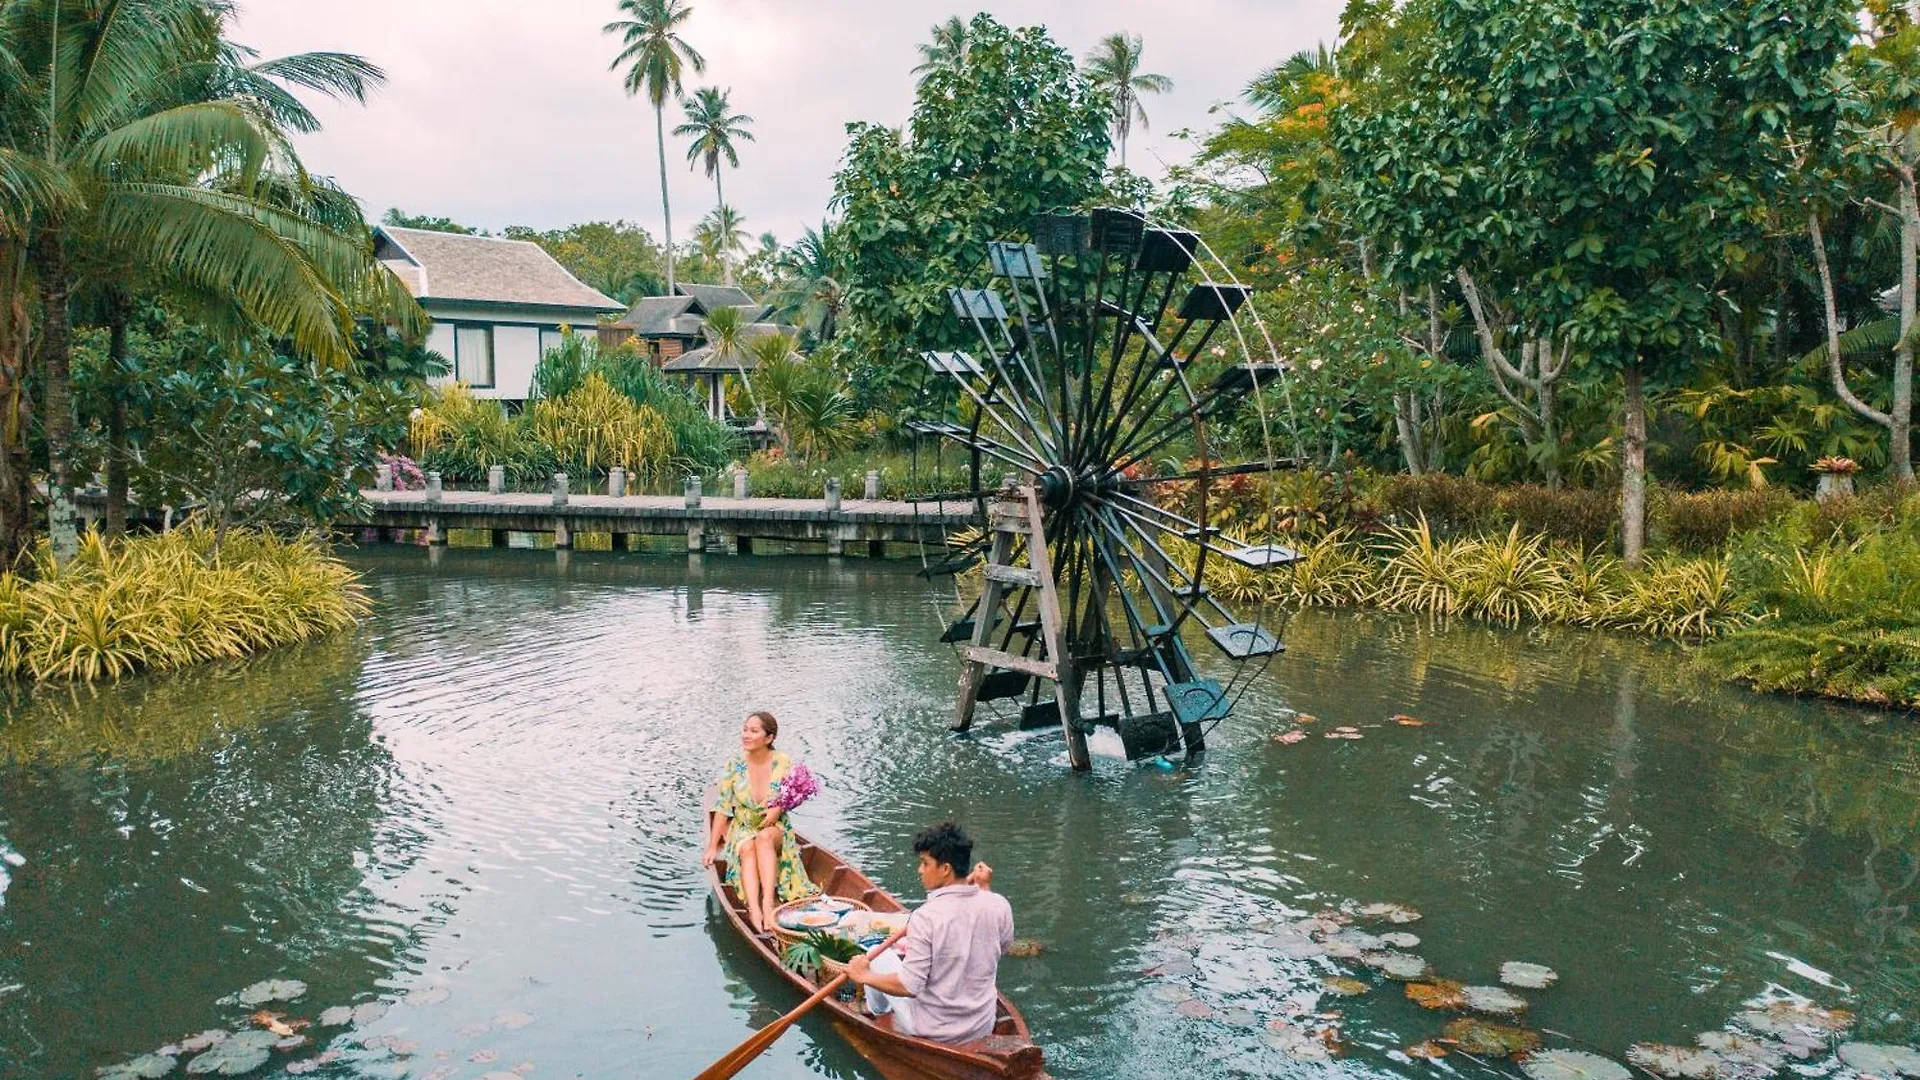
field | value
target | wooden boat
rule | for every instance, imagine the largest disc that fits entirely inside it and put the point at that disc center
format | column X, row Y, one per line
column 1009, row 1053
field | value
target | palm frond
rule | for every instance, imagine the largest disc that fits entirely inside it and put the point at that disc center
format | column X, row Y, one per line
column 183, row 141
column 1877, row 338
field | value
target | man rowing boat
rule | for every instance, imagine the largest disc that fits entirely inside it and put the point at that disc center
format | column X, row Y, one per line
column 939, row 982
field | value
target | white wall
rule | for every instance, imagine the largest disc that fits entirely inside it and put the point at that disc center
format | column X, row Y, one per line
column 516, row 343
column 516, row 349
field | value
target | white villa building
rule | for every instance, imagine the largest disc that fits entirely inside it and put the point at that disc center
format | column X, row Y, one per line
column 497, row 305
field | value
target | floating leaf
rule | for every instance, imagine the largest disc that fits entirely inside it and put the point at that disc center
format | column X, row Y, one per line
column 1361, row 940
column 1405, row 967
column 1172, row 992
column 1792, row 1017
column 301, row 1068
column 1288, row 738
column 230, row 1058
column 1401, row 940
column 1026, row 948
column 1527, row 976
column 1759, row 1053
column 1407, row 721
column 369, row 1012
column 1194, row 1009
column 1677, row 1062
column 1572, row 1065
column 1343, row 950
column 513, row 1020
column 1393, row 913
column 1305, row 718
column 144, row 1067
column 1438, row 994
column 1295, row 946
column 429, row 995
column 478, row 1028
column 1239, row 1017
column 484, row 1057
column 1344, row 735
column 193, row 1044
column 1295, row 1043
column 1488, row 1039
column 337, row 1016
column 1344, row 986
column 1172, row 968
column 1493, row 999
column 441, row 1073
column 292, row 1042
column 1881, row 1059
column 1426, row 1051
column 271, row 990
column 272, row 1022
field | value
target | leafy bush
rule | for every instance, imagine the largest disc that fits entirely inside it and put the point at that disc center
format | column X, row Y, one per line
column 1450, row 505
column 1582, row 516
column 168, row 601
column 1705, row 521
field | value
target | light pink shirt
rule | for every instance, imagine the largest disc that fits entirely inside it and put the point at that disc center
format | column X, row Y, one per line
column 953, row 947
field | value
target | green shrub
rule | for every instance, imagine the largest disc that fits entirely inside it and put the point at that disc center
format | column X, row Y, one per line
column 1450, row 505
column 1705, row 521
column 1577, row 515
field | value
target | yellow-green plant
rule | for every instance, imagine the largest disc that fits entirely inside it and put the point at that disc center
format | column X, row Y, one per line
column 169, row 601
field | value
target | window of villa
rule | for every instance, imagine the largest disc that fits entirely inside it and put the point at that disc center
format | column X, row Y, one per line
column 551, row 339
column 473, row 355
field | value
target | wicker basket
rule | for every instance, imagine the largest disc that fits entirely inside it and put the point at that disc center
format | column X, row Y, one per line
column 787, row 936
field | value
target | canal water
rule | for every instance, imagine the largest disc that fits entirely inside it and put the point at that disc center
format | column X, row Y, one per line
column 480, row 808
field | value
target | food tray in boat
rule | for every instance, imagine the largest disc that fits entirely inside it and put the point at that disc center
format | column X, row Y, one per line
column 795, row 919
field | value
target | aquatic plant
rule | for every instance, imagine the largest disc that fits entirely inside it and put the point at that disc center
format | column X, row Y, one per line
column 168, row 601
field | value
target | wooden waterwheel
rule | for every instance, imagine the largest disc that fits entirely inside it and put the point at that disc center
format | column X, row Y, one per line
column 1102, row 348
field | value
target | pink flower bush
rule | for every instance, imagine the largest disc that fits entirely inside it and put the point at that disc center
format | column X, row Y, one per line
column 798, row 787
column 406, row 474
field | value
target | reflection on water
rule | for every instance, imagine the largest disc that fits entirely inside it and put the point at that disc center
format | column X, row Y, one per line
column 480, row 806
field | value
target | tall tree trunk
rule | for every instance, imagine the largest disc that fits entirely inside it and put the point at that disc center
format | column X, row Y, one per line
column 1902, row 412
column 666, row 205
column 1836, row 368
column 16, row 504
column 56, row 351
column 726, row 257
column 1547, row 394
column 1633, row 470
column 1406, row 422
column 117, row 426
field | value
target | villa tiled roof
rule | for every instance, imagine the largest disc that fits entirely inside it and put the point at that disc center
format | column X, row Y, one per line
column 714, row 296
column 655, row 315
column 452, row 266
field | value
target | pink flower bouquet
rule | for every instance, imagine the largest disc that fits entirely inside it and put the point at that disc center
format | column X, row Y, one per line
column 798, row 787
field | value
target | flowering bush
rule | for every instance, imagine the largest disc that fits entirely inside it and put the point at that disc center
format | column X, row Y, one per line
column 798, row 787
column 406, row 474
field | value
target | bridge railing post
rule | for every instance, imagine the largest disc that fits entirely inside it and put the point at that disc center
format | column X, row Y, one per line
column 383, row 476
column 433, row 487
column 559, row 489
column 740, row 483
column 496, row 479
column 833, row 494
column 617, row 482
column 693, row 493
column 873, row 485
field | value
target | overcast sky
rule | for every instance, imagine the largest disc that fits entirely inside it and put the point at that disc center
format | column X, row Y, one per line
column 503, row 112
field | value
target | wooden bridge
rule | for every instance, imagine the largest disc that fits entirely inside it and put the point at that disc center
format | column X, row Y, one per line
column 709, row 523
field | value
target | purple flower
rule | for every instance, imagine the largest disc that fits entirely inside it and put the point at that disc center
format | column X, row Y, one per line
column 798, row 787
column 406, row 472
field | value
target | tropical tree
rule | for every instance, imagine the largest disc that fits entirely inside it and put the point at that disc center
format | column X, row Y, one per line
column 948, row 49
column 1114, row 68
column 726, row 332
column 807, row 289
column 714, row 128
column 655, row 57
column 720, row 235
column 162, row 159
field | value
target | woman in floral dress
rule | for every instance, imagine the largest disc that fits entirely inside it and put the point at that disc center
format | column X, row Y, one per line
column 763, row 859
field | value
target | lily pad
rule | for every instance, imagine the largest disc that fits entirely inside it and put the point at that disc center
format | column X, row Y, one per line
column 1362, row 940
column 1239, row 1017
column 1400, row 939
column 1195, row 1009
column 1295, row 1043
column 1759, row 1053
column 1393, row 913
column 1426, row 1051
column 1881, row 1059
column 369, row 1012
column 1405, row 967
column 1489, row 1039
column 1288, row 738
column 252, row 1040
column 1572, row 1065
column 1343, row 950
column 1178, row 966
column 230, row 1058
column 1494, row 1000
column 1026, row 948
column 335, row 1016
column 1438, row 994
column 1792, row 1017
column 1173, row 993
column 193, row 1044
column 513, row 1020
column 1295, row 946
column 429, row 995
column 1344, row 986
column 1677, row 1062
column 1527, row 976
column 292, row 1042
column 272, row 990
column 144, row 1067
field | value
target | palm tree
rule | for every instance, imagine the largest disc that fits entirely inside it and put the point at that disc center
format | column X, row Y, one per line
column 809, row 288
column 948, row 49
column 726, row 331
column 655, row 57
column 721, row 234
column 1114, row 68
column 161, row 160
column 713, row 130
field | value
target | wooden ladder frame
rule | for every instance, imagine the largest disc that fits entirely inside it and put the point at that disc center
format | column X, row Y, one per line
column 1017, row 513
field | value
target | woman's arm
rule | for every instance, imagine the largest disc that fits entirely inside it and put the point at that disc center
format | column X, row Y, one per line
column 716, row 835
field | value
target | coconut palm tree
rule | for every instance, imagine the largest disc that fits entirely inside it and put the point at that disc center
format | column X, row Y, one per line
column 1114, row 68
column 808, row 288
column 720, row 235
column 655, row 57
column 162, row 160
column 948, row 49
column 714, row 128
column 726, row 331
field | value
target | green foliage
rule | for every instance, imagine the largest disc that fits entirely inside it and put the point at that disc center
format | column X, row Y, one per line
column 619, row 258
column 400, row 219
column 169, row 601
column 1456, row 506
column 1705, row 521
column 1012, row 132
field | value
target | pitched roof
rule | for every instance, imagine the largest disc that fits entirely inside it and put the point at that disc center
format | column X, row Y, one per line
column 657, row 314
column 714, row 296
column 704, row 359
column 452, row 266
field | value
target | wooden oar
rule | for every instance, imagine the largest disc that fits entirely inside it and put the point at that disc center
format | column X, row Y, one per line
column 741, row 1055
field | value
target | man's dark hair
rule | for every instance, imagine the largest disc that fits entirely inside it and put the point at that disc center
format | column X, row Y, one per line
column 946, row 843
